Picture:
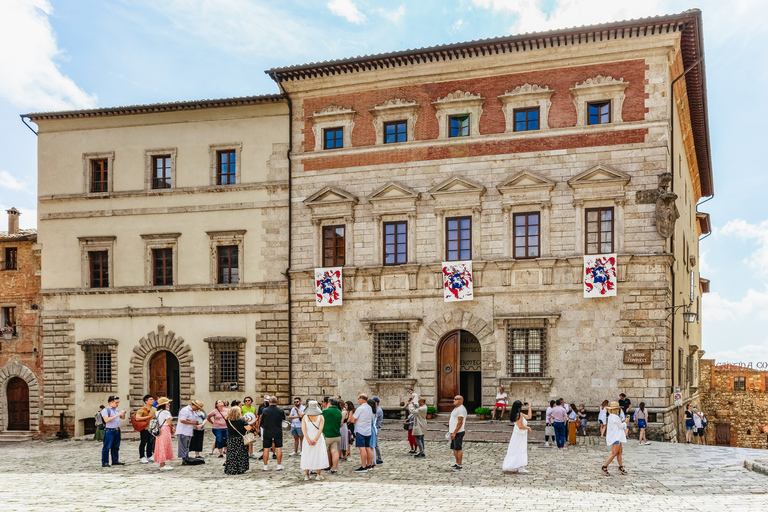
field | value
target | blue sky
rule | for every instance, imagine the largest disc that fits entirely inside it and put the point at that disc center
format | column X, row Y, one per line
column 98, row 53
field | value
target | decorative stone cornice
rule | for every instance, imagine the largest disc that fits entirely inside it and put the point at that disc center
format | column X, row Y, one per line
column 225, row 339
column 600, row 80
column 369, row 323
column 97, row 341
column 334, row 110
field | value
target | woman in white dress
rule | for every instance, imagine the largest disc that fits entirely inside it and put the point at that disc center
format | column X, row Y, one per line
column 517, row 453
column 615, row 436
column 314, row 455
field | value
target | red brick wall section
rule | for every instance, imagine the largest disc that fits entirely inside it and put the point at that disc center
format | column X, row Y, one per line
column 562, row 112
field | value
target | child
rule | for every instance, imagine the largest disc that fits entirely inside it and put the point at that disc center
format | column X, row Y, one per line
column 583, row 419
column 99, row 434
column 602, row 417
column 614, row 437
column 642, row 416
column 411, row 439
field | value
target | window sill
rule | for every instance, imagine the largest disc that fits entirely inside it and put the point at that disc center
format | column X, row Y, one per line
column 403, row 383
column 544, row 382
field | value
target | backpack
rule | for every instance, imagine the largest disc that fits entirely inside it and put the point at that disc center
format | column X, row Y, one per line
column 136, row 423
column 154, row 427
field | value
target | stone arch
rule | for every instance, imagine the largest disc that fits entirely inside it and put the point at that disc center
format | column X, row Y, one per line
column 8, row 372
column 459, row 319
column 148, row 346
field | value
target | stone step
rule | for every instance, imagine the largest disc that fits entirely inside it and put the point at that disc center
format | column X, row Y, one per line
column 15, row 436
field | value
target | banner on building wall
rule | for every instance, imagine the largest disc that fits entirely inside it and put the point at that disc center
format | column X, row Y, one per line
column 600, row 275
column 328, row 286
column 457, row 281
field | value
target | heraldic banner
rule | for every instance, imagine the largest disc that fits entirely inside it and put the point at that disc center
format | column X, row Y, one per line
column 328, row 286
column 457, row 281
column 600, row 275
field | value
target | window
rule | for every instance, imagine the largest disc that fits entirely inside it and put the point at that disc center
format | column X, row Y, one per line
column 458, row 235
column 395, row 242
column 391, row 350
column 8, row 318
column 526, row 119
column 458, row 126
column 333, row 138
column 599, row 230
column 98, row 262
column 228, row 267
column 526, row 340
column 333, row 246
column 396, row 131
column 100, row 364
column 162, row 267
column 226, row 170
column 10, row 262
column 99, row 175
column 227, row 363
column 161, row 171
column 739, row 383
column 526, row 244
column 599, row 112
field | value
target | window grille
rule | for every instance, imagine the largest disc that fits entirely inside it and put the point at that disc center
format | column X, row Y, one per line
column 526, row 347
column 8, row 318
column 739, row 383
column 10, row 258
column 98, row 368
column 227, row 363
column 391, row 350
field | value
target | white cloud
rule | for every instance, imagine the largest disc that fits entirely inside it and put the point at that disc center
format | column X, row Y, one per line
column 393, row 15
column 31, row 79
column 746, row 354
column 346, row 9
column 9, row 182
column 743, row 230
column 752, row 307
column 460, row 24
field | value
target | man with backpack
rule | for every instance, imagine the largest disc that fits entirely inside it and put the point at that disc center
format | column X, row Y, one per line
column 140, row 421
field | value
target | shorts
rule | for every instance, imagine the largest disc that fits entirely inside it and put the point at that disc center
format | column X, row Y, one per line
column 501, row 404
column 616, row 442
column 362, row 441
column 698, row 431
column 332, row 443
column 688, row 428
column 457, row 441
column 601, row 422
column 296, row 431
column 641, row 423
column 583, row 423
column 267, row 442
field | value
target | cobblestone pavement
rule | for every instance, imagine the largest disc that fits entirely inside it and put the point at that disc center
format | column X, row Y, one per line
column 67, row 475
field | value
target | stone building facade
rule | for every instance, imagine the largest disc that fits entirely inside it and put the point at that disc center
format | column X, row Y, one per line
column 21, row 357
column 735, row 401
column 468, row 143
column 164, row 245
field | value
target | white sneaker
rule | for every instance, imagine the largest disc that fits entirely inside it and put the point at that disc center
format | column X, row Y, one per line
column 546, row 443
column 279, row 467
column 265, row 468
column 320, row 477
column 292, row 454
column 166, row 467
column 522, row 470
column 144, row 460
column 152, row 459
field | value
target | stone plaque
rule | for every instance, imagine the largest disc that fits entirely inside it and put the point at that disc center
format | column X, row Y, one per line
column 637, row 356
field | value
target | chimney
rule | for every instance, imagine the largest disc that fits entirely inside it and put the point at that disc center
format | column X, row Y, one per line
column 13, row 221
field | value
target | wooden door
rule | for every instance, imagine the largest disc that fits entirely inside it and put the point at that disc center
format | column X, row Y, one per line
column 448, row 371
column 723, row 434
column 18, row 404
column 158, row 375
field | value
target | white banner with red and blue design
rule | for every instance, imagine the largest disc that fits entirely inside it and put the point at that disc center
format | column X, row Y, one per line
column 328, row 286
column 600, row 275
column 457, row 281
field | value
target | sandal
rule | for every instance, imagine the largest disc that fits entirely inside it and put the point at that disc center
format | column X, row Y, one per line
column 622, row 470
column 605, row 471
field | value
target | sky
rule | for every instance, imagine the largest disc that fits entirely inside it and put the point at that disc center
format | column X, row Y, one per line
column 71, row 54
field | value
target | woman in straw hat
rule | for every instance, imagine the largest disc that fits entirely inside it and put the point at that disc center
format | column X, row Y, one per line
column 615, row 435
column 314, row 456
column 163, row 445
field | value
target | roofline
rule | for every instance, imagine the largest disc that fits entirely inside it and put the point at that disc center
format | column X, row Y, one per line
column 153, row 108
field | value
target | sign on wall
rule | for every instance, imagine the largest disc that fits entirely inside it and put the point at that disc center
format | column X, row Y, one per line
column 600, row 275
column 637, row 356
column 457, row 281
column 328, row 286
column 470, row 357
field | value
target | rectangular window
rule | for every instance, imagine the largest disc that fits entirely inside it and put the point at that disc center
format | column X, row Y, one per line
column 99, row 175
column 333, row 138
column 739, row 383
column 599, row 238
column 526, row 347
column 395, row 131
column 333, row 246
column 98, row 263
column 161, row 171
column 228, row 269
column 10, row 263
column 526, row 119
column 599, row 112
column 391, row 344
column 459, row 126
column 227, row 363
column 226, row 169
column 162, row 267
column 458, row 238
column 526, row 235
column 395, row 242
column 8, row 318
column 100, row 367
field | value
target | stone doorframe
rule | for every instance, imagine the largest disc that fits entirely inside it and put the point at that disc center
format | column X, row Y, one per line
column 8, row 372
column 148, row 346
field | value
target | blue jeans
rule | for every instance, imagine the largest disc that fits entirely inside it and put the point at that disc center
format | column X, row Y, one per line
column 559, row 433
column 111, row 444
column 221, row 437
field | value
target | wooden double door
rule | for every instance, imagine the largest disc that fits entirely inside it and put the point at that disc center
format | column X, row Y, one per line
column 18, row 404
column 164, row 378
column 454, row 375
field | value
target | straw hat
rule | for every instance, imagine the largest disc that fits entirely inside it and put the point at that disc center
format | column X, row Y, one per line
column 312, row 409
column 163, row 400
column 197, row 403
column 614, row 407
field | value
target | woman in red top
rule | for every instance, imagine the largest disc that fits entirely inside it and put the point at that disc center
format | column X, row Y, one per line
column 217, row 417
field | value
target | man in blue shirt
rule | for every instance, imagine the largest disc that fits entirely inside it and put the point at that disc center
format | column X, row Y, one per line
column 112, row 416
column 379, row 419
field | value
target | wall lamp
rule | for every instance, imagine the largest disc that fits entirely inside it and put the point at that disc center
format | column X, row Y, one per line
column 689, row 317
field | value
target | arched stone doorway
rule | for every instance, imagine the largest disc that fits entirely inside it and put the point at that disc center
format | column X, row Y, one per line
column 164, row 378
column 459, row 365
column 19, row 397
column 17, row 392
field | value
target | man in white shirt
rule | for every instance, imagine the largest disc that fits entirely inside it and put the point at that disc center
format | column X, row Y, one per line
column 297, row 412
column 362, row 419
column 456, row 429
column 186, row 428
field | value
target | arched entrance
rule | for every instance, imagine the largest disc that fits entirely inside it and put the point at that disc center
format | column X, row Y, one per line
column 459, row 371
column 18, row 404
column 164, row 378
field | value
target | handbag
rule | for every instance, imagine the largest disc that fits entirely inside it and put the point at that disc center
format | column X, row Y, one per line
column 249, row 437
column 549, row 430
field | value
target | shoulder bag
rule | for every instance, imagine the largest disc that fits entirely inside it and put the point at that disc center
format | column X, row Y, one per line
column 249, row 437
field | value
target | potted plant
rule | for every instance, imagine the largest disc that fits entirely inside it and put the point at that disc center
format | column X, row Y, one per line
column 7, row 332
column 431, row 412
column 482, row 412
